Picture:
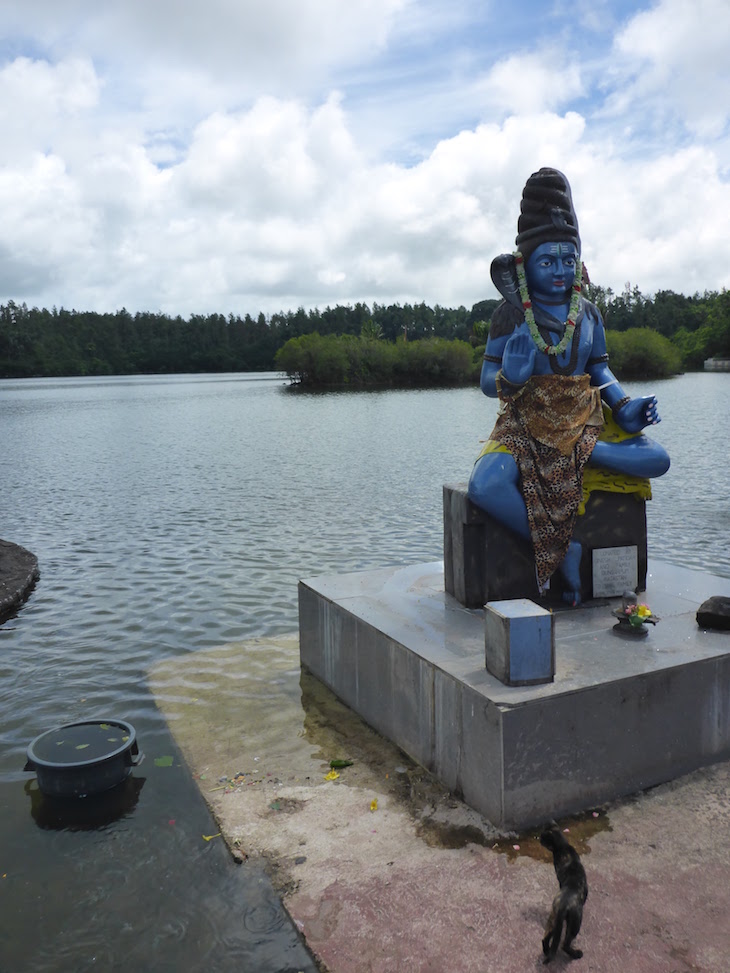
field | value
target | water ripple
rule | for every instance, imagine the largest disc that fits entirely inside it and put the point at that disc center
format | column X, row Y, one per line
column 174, row 514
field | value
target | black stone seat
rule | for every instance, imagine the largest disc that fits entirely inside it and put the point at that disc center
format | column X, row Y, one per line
column 484, row 561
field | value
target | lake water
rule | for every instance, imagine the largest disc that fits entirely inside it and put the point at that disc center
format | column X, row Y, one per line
column 171, row 514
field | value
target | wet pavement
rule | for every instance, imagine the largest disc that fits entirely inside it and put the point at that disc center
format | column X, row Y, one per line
column 383, row 870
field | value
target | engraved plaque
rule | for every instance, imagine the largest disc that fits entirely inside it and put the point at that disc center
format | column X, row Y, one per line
column 615, row 569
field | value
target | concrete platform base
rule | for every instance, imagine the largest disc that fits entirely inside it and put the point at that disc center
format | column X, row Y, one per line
column 621, row 715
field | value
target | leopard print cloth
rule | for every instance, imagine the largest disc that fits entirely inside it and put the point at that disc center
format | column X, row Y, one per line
column 550, row 428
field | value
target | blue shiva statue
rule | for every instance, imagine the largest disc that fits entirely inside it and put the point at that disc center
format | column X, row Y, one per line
column 547, row 363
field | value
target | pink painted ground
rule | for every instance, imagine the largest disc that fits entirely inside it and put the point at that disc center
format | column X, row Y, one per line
column 649, row 910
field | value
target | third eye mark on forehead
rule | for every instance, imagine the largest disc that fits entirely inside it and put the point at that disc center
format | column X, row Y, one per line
column 559, row 249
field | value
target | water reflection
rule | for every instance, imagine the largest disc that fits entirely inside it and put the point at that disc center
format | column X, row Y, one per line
column 83, row 814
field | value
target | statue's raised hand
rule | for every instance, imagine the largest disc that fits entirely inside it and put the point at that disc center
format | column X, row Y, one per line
column 638, row 413
column 518, row 359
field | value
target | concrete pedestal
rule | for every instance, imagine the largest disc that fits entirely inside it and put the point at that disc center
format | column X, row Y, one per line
column 619, row 717
column 484, row 561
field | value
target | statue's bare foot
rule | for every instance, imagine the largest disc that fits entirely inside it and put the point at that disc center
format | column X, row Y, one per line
column 570, row 570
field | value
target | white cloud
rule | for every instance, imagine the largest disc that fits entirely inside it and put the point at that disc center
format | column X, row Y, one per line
column 40, row 103
column 64, row 89
column 656, row 224
column 673, row 60
column 45, row 227
column 152, row 180
column 276, row 158
column 274, row 207
column 531, row 83
column 262, row 46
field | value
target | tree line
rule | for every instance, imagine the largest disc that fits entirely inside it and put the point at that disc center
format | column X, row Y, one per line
column 698, row 326
column 676, row 331
column 39, row 342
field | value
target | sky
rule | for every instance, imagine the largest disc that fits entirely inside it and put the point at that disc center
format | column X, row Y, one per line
column 235, row 156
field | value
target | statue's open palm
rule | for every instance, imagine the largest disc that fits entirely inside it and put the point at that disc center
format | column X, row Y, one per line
column 518, row 360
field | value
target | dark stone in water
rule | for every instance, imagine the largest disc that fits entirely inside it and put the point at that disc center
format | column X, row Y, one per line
column 18, row 574
column 715, row 613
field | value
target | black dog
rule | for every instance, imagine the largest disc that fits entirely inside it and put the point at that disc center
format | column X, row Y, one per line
column 568, row 903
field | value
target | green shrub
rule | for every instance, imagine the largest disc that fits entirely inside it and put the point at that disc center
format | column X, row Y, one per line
column 314, row 360
column 642, row 353
column 335, row 360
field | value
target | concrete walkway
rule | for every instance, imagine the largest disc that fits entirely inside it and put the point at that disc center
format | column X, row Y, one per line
column 385, row 872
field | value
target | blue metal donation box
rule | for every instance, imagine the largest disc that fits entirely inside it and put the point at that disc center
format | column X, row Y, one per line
column 519, row 638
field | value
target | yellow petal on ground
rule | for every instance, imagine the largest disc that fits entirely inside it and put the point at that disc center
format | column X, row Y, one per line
column 374, row 804
column 332, row 775
column 209, row 837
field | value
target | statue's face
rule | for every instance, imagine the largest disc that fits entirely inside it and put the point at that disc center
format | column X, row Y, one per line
column 550, row 271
